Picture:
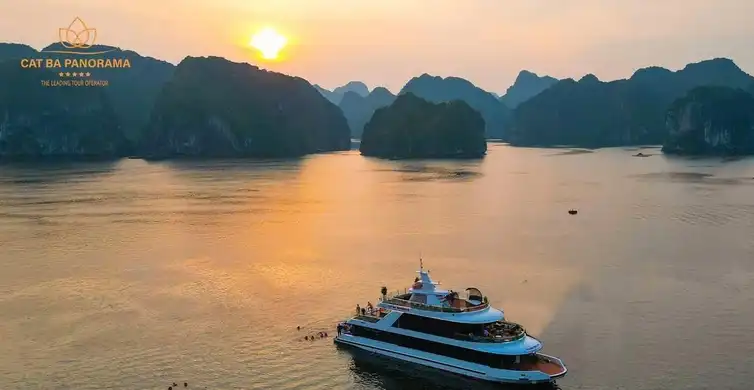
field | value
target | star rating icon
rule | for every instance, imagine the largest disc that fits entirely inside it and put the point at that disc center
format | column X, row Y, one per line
column 74, row 74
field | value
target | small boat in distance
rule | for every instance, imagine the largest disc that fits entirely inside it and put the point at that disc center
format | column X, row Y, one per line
column 573, row 212
column 441, row 329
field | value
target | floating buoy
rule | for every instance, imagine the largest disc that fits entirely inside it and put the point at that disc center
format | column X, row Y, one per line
column 572, row 212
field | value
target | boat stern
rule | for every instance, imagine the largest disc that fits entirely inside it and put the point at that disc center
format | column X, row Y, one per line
column 551, row 366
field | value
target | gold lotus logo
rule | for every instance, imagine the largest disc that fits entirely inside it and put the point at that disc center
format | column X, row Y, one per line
column 77, row 35
column 77, row 38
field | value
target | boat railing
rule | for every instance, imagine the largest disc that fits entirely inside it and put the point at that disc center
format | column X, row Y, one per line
column 489, row 339
column 368, row 317
column 437, row 308
column 396, row 293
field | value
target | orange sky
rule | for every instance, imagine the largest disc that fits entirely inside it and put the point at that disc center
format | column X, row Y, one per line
column 389, row 41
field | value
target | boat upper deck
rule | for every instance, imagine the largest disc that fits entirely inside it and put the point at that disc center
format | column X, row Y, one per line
column 424, row 295
column 458, row 305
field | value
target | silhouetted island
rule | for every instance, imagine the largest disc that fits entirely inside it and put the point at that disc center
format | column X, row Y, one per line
column 359, row 109
column 412, row 127
column 213, row 107
column 38, row 122
column 592, row 113
column 711, row 121
column 439, row 90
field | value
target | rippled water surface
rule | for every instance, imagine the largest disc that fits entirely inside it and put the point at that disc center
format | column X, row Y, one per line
column 132, row 275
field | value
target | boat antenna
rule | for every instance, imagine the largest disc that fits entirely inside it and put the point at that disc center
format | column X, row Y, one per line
column 421, row 262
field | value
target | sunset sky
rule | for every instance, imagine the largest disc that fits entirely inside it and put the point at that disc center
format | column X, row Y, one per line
column 387, row 42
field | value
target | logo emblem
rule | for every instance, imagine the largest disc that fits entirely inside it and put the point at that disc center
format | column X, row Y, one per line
column 77, row 38
column 77, row 35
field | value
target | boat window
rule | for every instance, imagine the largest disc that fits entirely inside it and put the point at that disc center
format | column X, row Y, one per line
column 460, row 353
column 437, row 327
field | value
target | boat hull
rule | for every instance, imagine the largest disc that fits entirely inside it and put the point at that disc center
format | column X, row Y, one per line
column 444, row 363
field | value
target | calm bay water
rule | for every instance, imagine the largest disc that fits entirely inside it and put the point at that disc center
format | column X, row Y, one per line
column 132, row 275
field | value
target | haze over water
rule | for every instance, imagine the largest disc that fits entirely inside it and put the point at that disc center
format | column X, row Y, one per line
column 132, row 275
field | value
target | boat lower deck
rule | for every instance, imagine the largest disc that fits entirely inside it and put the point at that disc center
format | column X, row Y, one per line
column 533, row 368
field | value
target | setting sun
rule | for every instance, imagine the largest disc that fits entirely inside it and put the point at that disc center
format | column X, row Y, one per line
column 269, row 42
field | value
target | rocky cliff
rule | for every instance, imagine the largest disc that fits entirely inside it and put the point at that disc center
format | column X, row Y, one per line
column 711, row 120
column 440, row 90
column 216, row 108
column 412, row 127
column 359, row 109
column 38, row 122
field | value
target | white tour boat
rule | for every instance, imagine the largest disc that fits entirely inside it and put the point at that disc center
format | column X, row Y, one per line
column 440, row 329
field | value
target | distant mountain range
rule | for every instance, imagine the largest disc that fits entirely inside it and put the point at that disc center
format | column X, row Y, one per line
column 592, row 113
column 526, row 86
column 152, row 109
column 336, row 95
column 361, row 104
column 358, row 109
